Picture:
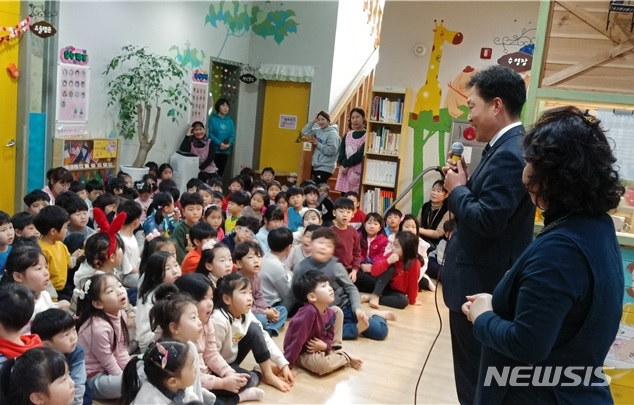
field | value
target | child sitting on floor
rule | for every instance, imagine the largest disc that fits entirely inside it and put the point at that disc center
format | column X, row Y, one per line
column 193, row 211
column 199, row 235
column 35, row 201
column 17, row 304
column 213, row 216
column 273, row 218
column 52, row 222
column 238, row 332
column 346, row 294
column 56, row 328
column 397, row 274
column 23, row 226
column 302, row 250
column 314, row 336
column 248, row 258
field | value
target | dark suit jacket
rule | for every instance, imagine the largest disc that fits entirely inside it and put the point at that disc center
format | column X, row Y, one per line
column 495, row 218
column 559, row 306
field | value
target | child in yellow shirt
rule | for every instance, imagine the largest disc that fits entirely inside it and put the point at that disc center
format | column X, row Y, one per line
column 52, row 223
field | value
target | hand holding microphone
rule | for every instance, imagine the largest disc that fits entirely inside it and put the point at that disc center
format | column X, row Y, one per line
column 457, row 176
column 457, row 148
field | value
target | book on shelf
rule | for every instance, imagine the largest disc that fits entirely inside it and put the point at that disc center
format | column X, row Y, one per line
column 377, row 200
column 387, row 110
column 384, row 141
column 381, row 172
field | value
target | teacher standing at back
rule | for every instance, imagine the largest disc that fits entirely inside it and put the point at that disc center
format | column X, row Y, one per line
column 492, row 208
column 222, row 132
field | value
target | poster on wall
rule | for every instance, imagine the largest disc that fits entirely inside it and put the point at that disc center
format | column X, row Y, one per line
column 73, row 84
column 72, row 93
column 288, row 121
column 200, row 83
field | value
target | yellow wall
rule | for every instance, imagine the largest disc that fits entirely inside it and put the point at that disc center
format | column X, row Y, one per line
column 279, row 149
column 9, row 16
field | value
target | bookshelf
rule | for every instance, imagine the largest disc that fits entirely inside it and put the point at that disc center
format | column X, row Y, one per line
column 384, row 147
column 87, row 158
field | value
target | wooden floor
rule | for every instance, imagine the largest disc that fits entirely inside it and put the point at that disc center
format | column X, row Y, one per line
column 391, row 367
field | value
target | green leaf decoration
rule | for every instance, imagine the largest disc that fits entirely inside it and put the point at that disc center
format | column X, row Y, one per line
column 239, row 19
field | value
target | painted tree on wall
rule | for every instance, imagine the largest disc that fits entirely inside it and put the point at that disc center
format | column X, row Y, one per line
column 240, row 19
column 425, row 126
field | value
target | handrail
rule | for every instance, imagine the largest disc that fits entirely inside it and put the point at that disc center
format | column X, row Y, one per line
column 413, row 183
column 358, row 80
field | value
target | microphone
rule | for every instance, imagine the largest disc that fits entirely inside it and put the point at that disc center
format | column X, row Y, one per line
column 456, row 151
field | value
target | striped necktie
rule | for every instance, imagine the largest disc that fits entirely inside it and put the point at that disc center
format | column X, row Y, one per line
column 486, row 150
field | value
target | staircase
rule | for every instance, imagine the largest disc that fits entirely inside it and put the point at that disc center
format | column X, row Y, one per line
column 358, row 95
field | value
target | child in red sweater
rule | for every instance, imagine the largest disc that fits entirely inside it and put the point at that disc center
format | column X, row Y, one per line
column 373, row 240
column 358, row 216
column 348, row 247
column 397, row 274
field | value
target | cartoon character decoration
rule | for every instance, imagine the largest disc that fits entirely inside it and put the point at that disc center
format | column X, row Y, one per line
column 429, row 96
column 457, row 92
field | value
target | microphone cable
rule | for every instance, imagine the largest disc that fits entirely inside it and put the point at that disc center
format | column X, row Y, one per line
column 431, row 348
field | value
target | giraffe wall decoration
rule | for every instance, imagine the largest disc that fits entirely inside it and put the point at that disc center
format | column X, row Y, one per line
column 429, row 96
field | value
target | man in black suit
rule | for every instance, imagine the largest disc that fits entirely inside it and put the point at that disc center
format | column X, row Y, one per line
column 492, row 208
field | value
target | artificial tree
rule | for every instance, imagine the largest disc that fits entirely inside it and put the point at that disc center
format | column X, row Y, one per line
column 140, row 82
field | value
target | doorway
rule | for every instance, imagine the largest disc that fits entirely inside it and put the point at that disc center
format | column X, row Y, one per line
column 9, row 16
column 285, row 114
column 224, row 82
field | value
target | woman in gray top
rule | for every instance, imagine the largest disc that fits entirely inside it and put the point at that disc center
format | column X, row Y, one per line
column 326, row 139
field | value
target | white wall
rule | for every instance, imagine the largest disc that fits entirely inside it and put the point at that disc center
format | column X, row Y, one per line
column 104, row 27
column 406, row 24
column 353, row 46
column 311, row 46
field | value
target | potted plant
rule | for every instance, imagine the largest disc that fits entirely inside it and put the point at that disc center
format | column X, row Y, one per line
column 141, row 82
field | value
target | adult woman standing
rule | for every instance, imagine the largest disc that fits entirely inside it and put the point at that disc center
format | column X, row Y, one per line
column 326, row 140
column 434, row 214
column 559, row 306
column 351, row 153
column 197, row 143
column 222, row 132
column 59, row 179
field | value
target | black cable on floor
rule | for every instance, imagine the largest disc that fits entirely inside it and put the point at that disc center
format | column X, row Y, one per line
column 439, row 320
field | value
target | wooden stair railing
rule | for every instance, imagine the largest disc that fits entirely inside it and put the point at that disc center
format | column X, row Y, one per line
column 358, row 95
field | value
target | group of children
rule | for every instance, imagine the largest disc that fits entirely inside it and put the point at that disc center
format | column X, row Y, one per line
column 194, row 283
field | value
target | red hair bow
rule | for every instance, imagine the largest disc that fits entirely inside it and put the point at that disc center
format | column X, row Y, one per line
column 109, row 229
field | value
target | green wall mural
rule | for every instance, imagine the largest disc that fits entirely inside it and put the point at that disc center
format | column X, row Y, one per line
column 425, row 126
column 428, row 119
column 195, row 58
column 240, row 19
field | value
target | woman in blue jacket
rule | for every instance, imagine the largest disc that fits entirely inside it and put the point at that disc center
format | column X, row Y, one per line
column 551, row 320
column 222, row 132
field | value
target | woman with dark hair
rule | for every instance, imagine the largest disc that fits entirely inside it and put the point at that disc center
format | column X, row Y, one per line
column 59, row 179
column 222, row 132
column 434, row 214
column 325, row 138
column 556, row 311
column 197, row 143
column 351, row 153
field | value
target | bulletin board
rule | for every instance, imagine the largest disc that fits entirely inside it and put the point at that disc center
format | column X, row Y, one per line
column 618, row 123
column 620, row 128
column 72, row 93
